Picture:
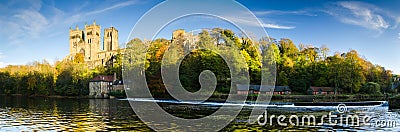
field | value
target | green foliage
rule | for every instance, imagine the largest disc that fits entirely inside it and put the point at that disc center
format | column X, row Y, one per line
column 298, row 67
column 42, row 79
column 371, row 88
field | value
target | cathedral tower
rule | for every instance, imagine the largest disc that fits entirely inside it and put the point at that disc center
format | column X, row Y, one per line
column 87, row 43
column 110, row 39
column 76, row 41
column 93, row 41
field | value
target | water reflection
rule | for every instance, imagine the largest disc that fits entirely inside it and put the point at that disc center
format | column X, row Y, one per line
column 49, row 114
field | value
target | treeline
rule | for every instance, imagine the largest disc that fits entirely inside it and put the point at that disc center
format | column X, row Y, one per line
column 299, row 67
column 64, row 78
column 306, row 65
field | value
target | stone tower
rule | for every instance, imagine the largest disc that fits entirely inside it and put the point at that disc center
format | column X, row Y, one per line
column 87, row 42
column 76, row 41
column 110, row 39
column 92, row 38
column 180, row 33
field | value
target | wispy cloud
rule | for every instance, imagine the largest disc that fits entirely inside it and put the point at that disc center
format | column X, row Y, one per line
column 23, row 22
column 256, row 23
column 398, row 36
column 31, row 22
column 1, row 55
column 281, row 12
column 34, row 19
column 81, row 15
column 116, row 6
column 275, row 26
column 360, row 14
column 1, row 63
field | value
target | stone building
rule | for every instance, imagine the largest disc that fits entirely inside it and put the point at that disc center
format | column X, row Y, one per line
column 99, row 87
column 87, row 42
column 323, row 90
column 187, row 39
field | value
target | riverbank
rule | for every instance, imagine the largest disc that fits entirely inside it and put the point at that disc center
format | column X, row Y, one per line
column 53, row 96
column 222, row 97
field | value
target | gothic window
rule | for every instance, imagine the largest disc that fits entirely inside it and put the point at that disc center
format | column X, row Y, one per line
column 82, row 51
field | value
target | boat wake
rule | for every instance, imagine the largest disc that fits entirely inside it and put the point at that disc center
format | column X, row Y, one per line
column 287, row 106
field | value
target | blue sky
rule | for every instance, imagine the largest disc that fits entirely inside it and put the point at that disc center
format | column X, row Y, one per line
column 36, row 30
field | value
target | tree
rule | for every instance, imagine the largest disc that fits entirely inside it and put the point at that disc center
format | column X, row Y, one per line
column 371, row 88
column 79, row 58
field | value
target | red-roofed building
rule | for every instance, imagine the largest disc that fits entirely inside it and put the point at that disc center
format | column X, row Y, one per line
column 100, row 86
column 323, row 90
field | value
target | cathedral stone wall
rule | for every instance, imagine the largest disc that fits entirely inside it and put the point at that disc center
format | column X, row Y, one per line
column 87, row 42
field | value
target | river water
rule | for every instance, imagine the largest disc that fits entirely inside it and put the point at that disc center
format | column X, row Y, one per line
column 51, row 114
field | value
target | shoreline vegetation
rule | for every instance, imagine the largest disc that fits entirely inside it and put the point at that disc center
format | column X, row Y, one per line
column 297, row 66
column 222, row 97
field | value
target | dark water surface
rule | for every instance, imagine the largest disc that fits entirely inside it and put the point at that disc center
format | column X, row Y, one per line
column 50, row 114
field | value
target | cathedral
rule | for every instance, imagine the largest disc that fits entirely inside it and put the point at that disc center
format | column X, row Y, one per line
column 87, row 42
column 95, row 51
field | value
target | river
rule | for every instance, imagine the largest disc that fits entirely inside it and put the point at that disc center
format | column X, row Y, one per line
column 53, row 114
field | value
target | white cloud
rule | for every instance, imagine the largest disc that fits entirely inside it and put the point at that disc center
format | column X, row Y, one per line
column 34, row 18
column 398, row 36
column 2, row 63
column 116, row 6
column 256, row 23
column 274, row 26
column 31, row 22
column 280, row 12
column 79, row 16
column 360, row 14
column 23, row 21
